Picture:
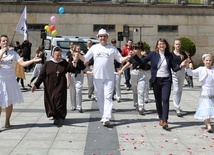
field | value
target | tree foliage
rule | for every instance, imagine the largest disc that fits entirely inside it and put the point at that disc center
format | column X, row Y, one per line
column 146, row 47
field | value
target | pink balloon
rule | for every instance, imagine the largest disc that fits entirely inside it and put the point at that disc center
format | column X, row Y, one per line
column 53, row 19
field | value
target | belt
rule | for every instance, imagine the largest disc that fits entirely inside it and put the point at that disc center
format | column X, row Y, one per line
column 138, row 70
column 162, row 78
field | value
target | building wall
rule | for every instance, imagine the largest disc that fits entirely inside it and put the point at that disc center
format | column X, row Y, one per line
column 194, row 22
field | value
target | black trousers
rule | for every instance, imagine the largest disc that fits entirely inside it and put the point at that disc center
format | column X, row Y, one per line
column 162, row 90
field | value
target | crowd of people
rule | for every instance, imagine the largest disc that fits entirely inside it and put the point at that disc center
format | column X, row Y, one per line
column 162, row 69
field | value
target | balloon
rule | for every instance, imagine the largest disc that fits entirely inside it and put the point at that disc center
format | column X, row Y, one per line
column 61, row 10
column 47, row 28
column 54, row 33
column 52, row 27
column 53, row 19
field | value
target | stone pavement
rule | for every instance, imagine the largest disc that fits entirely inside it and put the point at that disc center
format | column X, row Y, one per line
column 32, row 133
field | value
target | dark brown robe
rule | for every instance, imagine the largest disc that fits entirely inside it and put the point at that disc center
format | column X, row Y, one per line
column 55, row 92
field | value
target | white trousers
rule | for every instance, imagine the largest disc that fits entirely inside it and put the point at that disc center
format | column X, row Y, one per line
column 117, row 85
column 90, row 81
column 138, row 81
column 178, row 81
column 104, row 91
column 76, row 84
column 146, row 93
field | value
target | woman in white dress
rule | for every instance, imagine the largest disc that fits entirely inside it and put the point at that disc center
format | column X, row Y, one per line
column 10, row 92
column 205, row 75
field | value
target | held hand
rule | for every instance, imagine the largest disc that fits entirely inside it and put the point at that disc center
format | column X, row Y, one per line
column 184, row 63
column 131, row 54
column 89, row 72
column 120, row 72
column 37, row 59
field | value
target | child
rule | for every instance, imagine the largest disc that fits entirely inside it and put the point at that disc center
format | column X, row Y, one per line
column 205, row 75
column 38, row 67
column 138, row 78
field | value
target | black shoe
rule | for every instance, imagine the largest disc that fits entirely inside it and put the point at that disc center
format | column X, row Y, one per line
column 56, row 122
column 165, row 125
column 89, row 96
column 73, row 109
column 80, row 110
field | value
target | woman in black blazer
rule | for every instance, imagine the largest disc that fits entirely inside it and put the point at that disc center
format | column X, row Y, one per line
column 161, row 64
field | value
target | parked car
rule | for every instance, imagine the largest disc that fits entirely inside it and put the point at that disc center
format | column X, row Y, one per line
column 63, row 43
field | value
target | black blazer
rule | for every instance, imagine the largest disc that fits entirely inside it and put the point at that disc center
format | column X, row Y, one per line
column 154, row 57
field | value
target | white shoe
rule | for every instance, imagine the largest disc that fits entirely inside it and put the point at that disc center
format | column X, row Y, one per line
column 118, row 99
column 101, row 121
column 178, row 112
column 141, row 111
column 106, row 122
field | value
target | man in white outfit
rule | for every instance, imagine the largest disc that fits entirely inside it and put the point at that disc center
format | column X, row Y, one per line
column 103, row 71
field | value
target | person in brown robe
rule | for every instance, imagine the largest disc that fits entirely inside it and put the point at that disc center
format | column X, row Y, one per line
column 53, row 74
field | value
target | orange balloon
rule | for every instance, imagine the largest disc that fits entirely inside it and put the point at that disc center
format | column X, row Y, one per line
column 52, row 27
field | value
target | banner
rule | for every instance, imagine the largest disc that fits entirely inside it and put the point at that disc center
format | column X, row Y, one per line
column 22, row 24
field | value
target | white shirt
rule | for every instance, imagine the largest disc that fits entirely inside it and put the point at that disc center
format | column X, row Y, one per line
column 103, row 60
column 7, row 63
column 162, row 66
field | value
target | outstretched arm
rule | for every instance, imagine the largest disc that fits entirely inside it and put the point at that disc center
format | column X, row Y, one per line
column 27, row 63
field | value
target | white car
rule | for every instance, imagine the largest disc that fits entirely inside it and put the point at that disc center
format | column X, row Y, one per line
column 63, row 42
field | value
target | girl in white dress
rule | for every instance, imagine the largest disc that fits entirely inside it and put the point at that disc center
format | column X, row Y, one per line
column 10, row 92
column 205, row 75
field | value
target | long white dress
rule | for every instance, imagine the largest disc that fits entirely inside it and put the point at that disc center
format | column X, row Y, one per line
column 10, row 92
column 206, row 98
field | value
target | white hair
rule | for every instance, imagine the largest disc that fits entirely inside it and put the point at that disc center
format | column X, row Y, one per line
column 206, row 55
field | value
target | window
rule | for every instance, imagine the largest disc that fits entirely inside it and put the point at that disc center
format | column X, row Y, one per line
column 165, row 1
column 167, row 28
column 108, row 28
column 36, row 27
column 195, row 1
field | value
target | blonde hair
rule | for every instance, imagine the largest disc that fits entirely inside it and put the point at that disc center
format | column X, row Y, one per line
column 206, row 55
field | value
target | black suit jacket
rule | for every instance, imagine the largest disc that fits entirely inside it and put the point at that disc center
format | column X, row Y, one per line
column 154, row 58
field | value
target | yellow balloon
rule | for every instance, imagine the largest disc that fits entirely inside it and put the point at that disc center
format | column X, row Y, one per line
column 47, row 28
column 54, row 33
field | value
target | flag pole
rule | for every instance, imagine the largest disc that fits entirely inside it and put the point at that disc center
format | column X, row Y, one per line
column 11, row 42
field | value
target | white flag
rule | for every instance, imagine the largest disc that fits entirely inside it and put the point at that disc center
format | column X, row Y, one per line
column 22, row 25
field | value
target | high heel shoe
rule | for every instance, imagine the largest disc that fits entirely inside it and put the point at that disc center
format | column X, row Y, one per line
column 209, row 128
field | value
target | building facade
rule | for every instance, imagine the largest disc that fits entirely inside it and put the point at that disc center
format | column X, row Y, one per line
column 146, row 20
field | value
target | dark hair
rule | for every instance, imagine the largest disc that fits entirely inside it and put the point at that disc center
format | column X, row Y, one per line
column 17, row 42
column 40, row 49
column 140, row 43
column 167, row 45
column 137, row 46
column 57, row 49
column 4, row 35
column 130, row 40
column 113, row 41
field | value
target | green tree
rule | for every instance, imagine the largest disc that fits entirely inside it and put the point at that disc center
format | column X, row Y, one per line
column 187, row 45
column 146, row 47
